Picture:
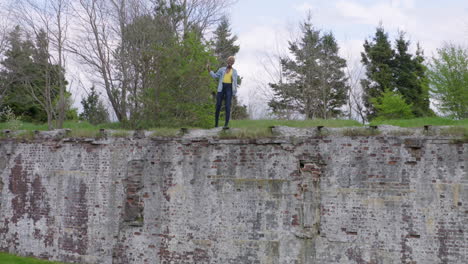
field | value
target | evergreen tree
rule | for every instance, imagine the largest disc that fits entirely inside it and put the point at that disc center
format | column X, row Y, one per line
column 396, row 70
column 224, row 42
column 224, row 46
column 31, row 78
column 333, row 93
column 94, row 110
column 18, row 73
column 378, row 58
column 410, row 77
column 314, row 82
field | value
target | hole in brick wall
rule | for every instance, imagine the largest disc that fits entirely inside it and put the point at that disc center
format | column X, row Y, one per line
column 302, row 164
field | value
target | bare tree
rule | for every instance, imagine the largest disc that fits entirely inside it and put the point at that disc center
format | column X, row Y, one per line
column 101, row 27
column 355, row 105
column 203, row 13
column 101, row 43
column 50, row 18
column 5, row 27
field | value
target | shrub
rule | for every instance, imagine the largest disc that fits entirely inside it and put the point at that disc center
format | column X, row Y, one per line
column 392, row 105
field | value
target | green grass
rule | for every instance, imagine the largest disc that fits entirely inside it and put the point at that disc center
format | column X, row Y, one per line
column 293, row 123
column 246, row 133
column 461, row 131
column 121, row 134
column 245, row 128
column 360, row 132
column 74, row 125
column 84, row 133
column 419, row 122
column 11, row 259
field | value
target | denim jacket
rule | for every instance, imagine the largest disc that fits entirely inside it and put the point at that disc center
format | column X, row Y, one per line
column 220, row 76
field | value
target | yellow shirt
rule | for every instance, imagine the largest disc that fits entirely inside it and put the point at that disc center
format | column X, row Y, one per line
column 228, row 77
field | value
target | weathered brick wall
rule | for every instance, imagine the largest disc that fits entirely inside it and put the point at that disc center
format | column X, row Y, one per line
column 287, row 200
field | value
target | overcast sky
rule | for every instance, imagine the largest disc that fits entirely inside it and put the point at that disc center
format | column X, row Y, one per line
column 264, row 27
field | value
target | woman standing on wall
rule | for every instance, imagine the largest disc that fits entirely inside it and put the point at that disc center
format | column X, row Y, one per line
column 227, row 87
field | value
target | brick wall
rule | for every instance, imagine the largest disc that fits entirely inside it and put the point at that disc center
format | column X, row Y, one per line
column 327, row 200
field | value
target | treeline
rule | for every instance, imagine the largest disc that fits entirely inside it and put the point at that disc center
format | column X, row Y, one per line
column 148, row 57
column 315, row 81
column 146, row 63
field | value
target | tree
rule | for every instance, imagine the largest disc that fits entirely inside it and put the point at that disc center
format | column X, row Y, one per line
column 224, row 46
column 182, row 96
column 5, row 27
column 194, row 16
column 224, row 42
column 410, row 77
column 48, row 20
column 18, row 69
column 144, row 42
column 32, row 80
column 334, row 87
column 105, row 25
column 396, row 70
column 448, row 75
column 378, row 58
column 392, row 105
column 44, row 90
column 313, row 82
column 102, row 24
column 94, row 110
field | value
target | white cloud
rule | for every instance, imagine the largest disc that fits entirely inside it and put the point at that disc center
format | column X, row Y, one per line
column 352, row 21
column 372, row 15
column 404, row 3
column 304, row 7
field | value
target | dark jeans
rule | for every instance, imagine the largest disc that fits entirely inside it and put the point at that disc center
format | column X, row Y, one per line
column 225, row 94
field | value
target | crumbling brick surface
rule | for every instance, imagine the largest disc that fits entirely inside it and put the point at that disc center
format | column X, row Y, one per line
column 373, row 200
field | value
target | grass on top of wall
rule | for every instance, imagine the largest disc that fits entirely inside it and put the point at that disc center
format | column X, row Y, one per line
column 420, row 122
column 293, row 123
column 74, row 125
column 246, row 133
column 85, row 128
column 12, row 259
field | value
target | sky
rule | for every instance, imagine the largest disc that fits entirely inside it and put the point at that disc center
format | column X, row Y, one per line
column 265, row 27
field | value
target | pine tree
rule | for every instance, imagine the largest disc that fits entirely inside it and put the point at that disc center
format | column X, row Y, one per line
column 32, row 79
column 94, row 110
column 19, row 71
column 378, row 58
column 396, row 70
column 224, row 46
column 314, row 83
column 410, row 77
column 334, row 87
column 224, row 42
column 422, row 103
